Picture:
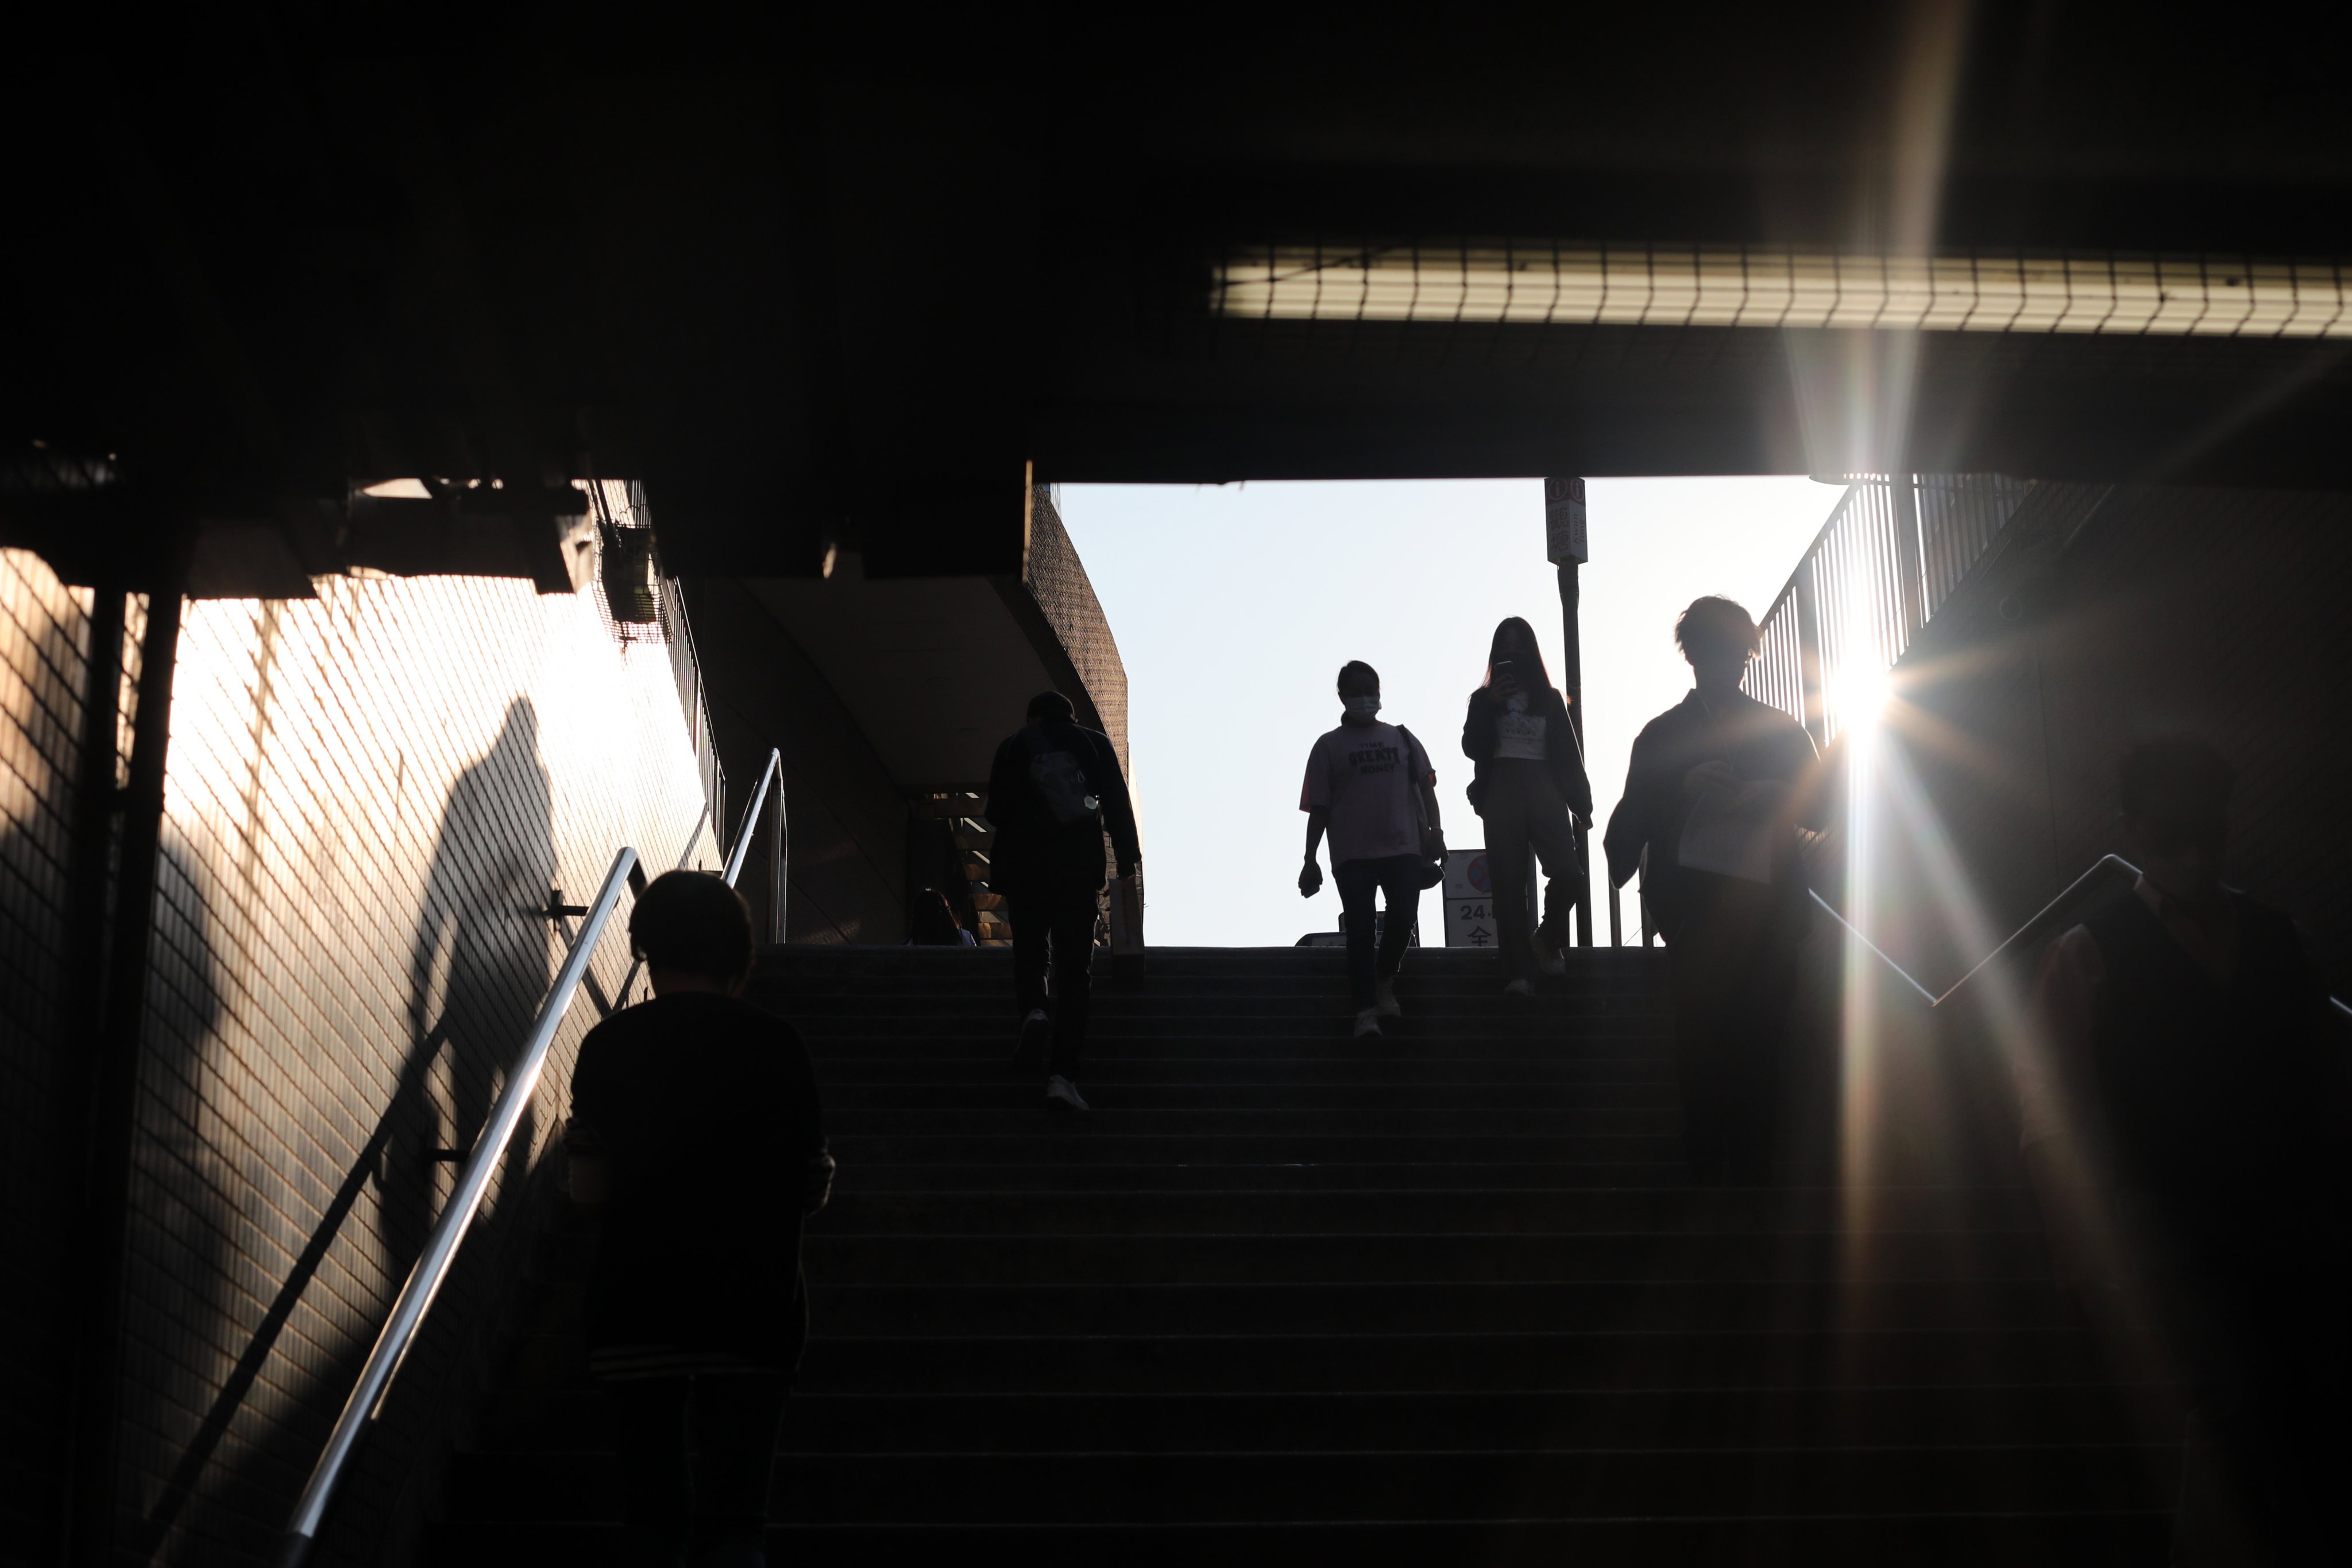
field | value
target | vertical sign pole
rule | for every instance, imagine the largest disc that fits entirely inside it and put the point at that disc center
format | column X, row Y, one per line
column 1565, row 545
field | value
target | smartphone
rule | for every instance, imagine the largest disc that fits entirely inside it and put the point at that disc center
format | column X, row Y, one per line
column 1505, row 672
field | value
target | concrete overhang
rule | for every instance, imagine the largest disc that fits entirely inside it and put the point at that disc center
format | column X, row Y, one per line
column 936, row 670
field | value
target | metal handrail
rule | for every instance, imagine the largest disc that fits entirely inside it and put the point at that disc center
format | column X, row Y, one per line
column 432, row 1268
column 734, row 863
column 752, row 815
column 2102, row 866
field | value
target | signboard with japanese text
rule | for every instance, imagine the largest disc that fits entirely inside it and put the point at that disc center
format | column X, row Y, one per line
column 1469, row 900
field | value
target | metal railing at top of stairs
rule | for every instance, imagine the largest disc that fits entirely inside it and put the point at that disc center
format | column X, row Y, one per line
column 432, row 1264
column 2105, row 867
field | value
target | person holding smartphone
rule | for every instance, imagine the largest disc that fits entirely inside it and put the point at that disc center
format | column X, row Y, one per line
column 1529, row 783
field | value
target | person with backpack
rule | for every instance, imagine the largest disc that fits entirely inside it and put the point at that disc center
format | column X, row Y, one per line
column 1053, row 790
column 1370, row 787
column 1530, row 780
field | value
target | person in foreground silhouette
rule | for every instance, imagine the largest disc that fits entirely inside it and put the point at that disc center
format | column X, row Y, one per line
column 1055, row 788
column 1370, row 787
column 1717, row 789
column 2183, row 1126
column 1529, row 781
column 695, row 1137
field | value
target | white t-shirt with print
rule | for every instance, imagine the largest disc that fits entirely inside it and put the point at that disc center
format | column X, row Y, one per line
column 1363, row 774
column 1518, row 733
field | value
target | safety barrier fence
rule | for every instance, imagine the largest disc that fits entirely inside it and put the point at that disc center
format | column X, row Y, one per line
column 1892, row 553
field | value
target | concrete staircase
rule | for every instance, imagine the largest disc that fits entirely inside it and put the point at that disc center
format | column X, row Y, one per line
column 1438, row 1297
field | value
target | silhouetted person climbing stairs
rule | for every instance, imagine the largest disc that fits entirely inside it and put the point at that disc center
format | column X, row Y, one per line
column 1443, row 1297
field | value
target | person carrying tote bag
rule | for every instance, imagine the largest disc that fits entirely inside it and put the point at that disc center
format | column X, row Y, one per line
column 1529, row 785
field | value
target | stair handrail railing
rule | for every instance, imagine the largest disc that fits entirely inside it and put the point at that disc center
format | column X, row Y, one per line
column 2105, row 866
column 431, row 1269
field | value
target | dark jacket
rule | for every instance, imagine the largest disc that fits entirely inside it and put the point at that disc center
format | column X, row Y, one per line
column 1563, row 756
column 704, row 1108
column 2214, row 1093
column 1760, row 744
column 1032, row 852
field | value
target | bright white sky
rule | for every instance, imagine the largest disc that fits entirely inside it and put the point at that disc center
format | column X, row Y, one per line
column 1235, row 607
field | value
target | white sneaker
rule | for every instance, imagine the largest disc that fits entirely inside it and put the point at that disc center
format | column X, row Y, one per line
column 1384, row 1000
column 1520, row 987
column 1368, row 1022
column 1061, row 1094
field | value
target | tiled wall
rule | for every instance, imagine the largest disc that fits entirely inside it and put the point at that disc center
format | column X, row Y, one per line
column 369, row 798
column 44, row 648
column 1057, row 579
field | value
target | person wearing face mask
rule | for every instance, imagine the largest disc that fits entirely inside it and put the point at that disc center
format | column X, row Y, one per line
column 1715, row 790
column 2183, row 1127
column 1529, row 781
column 1370, row 787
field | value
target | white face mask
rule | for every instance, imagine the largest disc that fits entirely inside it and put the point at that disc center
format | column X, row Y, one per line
column 1361, row 708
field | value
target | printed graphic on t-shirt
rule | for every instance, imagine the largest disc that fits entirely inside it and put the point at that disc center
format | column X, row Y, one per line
column 1519, row 735
column 1363, row 774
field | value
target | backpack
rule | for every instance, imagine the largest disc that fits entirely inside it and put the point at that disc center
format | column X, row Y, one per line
column 1062, row 785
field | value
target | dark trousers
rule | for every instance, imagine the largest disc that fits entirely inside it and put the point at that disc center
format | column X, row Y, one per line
column 1523, row 810
column 695, row 1455
column 2254, row 1318
column 1397, row 878
column 1056, row 925
column 1732, row 967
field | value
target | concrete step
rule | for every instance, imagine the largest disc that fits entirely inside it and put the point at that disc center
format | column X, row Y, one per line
column 1289, row 1176
column 1332, row 1045
column 1035, row 1141
column 1259, row 1362
column 1130, row 1258
column 1556, row 1000
column 850, row 1311
column 572, row 1419
column 1114, row 1117
column 1112, row 1091
column 1699, row 1214
column 990, row 1062
column 1104, row 1487
column 2131, row 1538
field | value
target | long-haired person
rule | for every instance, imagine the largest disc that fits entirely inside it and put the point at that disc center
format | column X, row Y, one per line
column 1529, row 780
column 1717, row 789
